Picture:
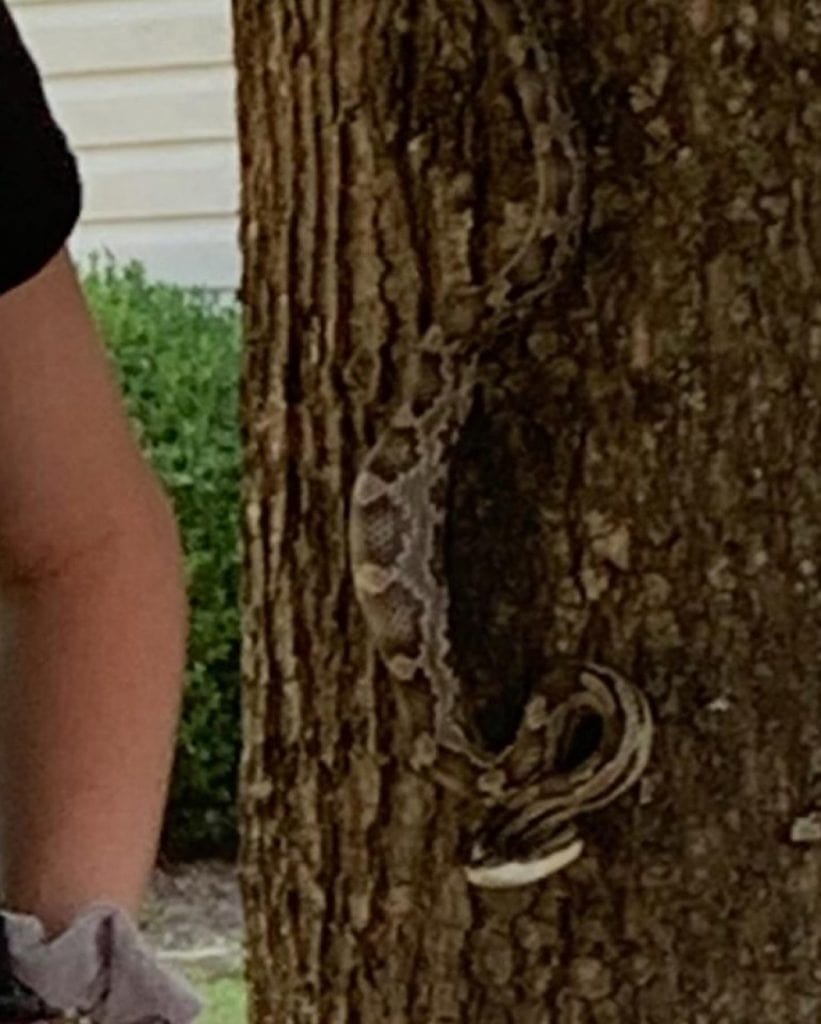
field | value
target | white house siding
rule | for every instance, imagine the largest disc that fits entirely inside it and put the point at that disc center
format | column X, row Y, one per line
column 144, row 90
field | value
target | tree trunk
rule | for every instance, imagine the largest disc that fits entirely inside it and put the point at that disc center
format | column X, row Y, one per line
column 637, row 484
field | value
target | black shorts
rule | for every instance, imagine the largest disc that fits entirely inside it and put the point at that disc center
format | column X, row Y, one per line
column 40, row 191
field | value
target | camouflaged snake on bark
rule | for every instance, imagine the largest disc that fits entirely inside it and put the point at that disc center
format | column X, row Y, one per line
column 398, row 511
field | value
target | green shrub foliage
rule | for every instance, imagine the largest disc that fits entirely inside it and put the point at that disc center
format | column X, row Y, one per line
column 177, row 353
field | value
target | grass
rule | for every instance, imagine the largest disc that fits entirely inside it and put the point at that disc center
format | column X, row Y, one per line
column 224, row 997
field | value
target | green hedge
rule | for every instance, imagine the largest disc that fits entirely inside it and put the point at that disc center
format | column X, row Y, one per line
column 177, row 352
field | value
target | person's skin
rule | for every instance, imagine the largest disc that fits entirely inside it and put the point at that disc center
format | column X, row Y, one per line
column 93, row 617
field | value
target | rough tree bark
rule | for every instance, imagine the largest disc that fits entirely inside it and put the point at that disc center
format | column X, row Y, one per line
column 639, row 483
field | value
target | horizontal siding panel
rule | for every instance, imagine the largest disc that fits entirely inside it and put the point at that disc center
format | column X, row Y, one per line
column 160, row 181
column 197, row 254
column 122, row 35
column 144, row 90
column 161, row 106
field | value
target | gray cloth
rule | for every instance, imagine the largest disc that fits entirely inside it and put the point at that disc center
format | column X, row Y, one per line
column 101, row 967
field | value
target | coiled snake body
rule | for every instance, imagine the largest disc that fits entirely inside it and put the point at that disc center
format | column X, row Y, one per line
column 398, row 509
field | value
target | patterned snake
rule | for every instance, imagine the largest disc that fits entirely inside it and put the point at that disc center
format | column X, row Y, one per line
column 397, row 516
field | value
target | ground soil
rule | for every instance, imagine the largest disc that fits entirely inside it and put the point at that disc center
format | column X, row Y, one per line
column 193, row 913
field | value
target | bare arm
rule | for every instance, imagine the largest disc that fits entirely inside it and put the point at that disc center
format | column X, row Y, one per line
column 92, row 617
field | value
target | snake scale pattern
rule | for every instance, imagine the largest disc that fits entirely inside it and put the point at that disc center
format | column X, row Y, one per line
column 397, row 517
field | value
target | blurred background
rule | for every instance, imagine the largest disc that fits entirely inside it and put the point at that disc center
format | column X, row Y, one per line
column 144, row 90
